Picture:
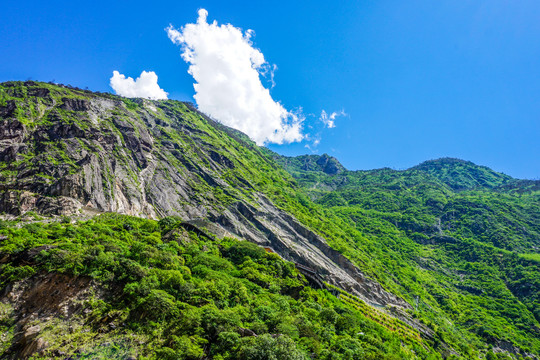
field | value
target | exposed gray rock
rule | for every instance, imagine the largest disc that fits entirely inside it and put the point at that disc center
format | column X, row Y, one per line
column 329, row 164
column 37, row 300
column 104, row 158
column 38, row 92
column 8, row 109
column 75, row 104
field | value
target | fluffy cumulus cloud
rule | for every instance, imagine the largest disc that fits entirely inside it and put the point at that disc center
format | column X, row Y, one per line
column 227, row 70
column 145, row 86
column 329, row 120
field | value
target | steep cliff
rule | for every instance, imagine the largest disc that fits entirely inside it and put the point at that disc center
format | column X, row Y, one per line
column 67, row 151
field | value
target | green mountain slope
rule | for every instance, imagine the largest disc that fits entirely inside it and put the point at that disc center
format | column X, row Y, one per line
column 436, row 261
column 463, row 175
column 475, row 236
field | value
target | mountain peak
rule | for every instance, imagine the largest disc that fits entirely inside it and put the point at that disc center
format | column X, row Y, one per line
column 462, row 174
column 323, row 163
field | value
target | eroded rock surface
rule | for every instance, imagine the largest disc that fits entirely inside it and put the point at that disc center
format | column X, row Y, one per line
column 98, row 153
column 36, row 301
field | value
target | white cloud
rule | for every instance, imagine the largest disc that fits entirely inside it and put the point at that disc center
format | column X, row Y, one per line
column 314, row 144
column 315, row 141
column 145, row 86
column 227, row 68
column 329, row 120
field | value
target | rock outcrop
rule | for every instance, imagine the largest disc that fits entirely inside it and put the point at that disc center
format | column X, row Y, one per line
column 64, row 295
column 66, row 152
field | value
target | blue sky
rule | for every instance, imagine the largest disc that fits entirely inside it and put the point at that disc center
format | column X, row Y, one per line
column 418, row 80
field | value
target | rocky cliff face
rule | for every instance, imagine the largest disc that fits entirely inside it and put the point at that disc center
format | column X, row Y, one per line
column 325, row 163
column 67, row 151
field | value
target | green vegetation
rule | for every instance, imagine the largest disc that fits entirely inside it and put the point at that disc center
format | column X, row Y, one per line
column 467, row 258
column 458, row 242
column 170, row 293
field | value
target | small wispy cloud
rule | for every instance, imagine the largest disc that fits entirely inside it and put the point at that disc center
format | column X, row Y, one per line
column 317, row 127
column 329, row 120
column 145, row 86
column 227, row 70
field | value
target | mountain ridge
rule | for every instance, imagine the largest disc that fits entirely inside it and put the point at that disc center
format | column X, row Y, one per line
column 439, row 168
column 166, row 162
column 423, row 245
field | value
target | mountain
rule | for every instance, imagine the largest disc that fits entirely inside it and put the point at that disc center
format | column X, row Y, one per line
column 444, row 194
column 463, row 175
column 68, row 151
column 439, row 260
column 477, row 231
column 325, row 163
column 458, row 175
